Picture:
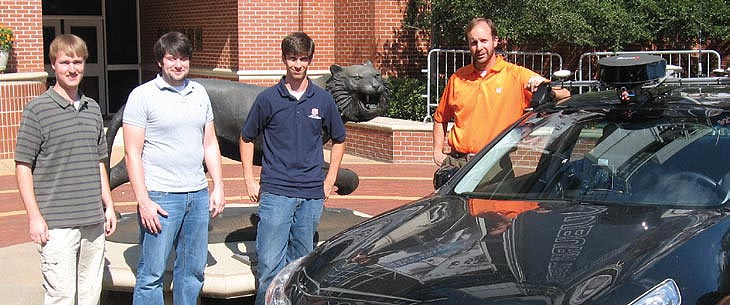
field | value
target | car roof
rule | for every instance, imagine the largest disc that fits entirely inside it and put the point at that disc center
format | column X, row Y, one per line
column 715, row 96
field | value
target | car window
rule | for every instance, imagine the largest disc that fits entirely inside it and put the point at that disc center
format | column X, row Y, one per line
column 679, row 160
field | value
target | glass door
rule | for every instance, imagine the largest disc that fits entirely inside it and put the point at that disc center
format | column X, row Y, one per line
column 90, row 29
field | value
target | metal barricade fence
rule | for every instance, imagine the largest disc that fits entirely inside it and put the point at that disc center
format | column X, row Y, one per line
column 441, row 64
column 444, row 62
column 693, row 63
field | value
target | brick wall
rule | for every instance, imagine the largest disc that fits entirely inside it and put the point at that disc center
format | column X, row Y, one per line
column 26, row 57
column 390, row 140
column 371, row 30
column 262, row 25
column 245, row 35
column 240, row 35
column 25, row 18
column 216, row 19
column 14, row 95
column 318, row 20
column 357, row 34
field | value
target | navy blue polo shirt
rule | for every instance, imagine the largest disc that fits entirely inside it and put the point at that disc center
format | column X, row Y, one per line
column 292, row 138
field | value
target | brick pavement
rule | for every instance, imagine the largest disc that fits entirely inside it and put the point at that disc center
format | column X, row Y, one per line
column 382, row 187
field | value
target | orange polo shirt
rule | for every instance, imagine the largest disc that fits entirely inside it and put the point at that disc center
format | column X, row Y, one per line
column 483, row 106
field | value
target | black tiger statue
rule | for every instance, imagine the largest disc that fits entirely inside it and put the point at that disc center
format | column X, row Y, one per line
column 359, row 91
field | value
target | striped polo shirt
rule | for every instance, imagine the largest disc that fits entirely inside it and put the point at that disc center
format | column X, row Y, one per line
column 64, row 146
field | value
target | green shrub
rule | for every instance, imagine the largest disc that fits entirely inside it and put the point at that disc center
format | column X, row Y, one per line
column 406, row 98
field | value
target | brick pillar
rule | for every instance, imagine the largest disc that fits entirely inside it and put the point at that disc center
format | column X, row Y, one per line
column 14, row 95
column 24, row 78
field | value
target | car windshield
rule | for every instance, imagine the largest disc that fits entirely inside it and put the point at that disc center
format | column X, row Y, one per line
column 671, row 156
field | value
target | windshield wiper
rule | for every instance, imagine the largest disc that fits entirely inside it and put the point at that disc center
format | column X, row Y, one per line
column 485, row 195
column 578, row 201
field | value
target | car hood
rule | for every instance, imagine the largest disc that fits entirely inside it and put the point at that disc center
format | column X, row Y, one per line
column 451, row 248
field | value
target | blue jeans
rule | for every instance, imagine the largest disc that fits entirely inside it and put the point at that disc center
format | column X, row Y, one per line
column 285, row 232
column 185, row 229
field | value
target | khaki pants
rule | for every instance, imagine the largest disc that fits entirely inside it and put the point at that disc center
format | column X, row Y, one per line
column 453, row 161
column 500, row 172
column 72, row 264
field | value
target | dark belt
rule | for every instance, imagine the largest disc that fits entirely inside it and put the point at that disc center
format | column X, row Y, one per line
column 459, row 155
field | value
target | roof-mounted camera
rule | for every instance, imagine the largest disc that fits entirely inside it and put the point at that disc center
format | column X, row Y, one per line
column 630, row 73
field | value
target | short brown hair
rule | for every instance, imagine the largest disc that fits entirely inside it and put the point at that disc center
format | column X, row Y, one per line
column 70, row 45
column 297, row 43
column 477, row 20
column 173, row 43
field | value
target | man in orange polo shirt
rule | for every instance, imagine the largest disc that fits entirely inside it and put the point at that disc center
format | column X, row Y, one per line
column 483, row 98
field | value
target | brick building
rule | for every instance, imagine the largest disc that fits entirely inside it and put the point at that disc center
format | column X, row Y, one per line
column 233, row 39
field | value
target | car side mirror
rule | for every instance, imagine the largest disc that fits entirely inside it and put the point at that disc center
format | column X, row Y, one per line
column 542, row 96
column 442, row 175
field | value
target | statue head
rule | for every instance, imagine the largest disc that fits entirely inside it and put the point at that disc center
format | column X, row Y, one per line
column 360, row 92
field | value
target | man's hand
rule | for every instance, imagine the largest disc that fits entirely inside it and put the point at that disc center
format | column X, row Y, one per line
column 328, row 189
column 252, row 188
column 149, row 214
column 38, row 230
column 110, row 224
column 217, row 201
column 535, row 82
column 438, row 157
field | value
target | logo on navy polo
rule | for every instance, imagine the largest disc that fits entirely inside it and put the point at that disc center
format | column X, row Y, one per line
column 315, row 114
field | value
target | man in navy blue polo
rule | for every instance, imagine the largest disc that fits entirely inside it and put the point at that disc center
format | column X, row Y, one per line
column 293, row 187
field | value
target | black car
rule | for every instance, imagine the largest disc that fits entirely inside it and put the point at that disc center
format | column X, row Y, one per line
column 613, row 197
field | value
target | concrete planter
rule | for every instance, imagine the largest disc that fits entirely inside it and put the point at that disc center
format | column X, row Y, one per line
column 4, row 56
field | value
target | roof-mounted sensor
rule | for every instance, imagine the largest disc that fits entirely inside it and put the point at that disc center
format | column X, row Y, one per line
column 632, row 71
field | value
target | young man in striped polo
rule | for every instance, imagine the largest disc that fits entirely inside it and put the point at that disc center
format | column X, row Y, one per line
column 63, row 182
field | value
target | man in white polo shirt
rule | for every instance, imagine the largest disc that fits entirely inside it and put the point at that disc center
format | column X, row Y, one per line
column 168, row 134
